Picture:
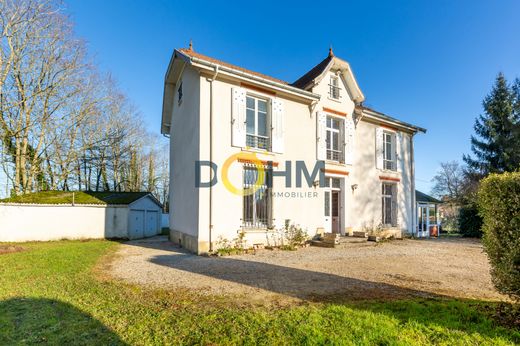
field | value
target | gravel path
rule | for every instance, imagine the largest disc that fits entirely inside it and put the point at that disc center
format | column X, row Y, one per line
column 445, row 267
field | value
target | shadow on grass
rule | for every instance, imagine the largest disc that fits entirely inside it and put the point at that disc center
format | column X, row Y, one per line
column 47, row 321
column 423, row 311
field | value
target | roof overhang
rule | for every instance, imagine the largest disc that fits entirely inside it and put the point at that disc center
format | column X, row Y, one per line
column 178, row 62
column 378, row 117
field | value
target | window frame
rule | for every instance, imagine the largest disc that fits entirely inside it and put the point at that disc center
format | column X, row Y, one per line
column 255, row 143
column 334, row 88
column 392, row 198
column 250, row 218
column 389, row 164
column 330, row 131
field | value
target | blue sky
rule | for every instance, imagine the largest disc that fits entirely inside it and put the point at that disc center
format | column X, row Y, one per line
column 425, row 62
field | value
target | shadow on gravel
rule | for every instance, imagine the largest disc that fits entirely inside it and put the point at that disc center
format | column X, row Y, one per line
column 294, row 282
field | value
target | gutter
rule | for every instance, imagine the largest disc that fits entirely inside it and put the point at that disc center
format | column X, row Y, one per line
column 285, row 87
column 412, row 175
column 210, row 219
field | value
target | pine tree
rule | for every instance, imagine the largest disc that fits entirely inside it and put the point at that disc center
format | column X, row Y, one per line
column 496, row 145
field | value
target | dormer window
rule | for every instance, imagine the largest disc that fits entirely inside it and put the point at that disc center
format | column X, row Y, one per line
column 334, row 87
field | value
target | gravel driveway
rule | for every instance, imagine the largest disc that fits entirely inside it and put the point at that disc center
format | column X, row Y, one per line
column 444, row 267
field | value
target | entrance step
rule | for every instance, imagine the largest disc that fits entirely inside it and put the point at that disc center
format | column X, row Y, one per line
column 321, row 243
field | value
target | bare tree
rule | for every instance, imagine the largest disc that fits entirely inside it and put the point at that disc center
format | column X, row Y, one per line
column 64, row 125
column 449, row 181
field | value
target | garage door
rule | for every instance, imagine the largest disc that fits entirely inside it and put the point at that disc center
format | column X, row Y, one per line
column 136, row 229
column 152, row 222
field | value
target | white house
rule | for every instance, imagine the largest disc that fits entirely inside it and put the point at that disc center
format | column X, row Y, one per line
column 55, row 215
column 240, row 120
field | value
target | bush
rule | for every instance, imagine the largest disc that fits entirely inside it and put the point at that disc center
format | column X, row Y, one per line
column 470, row 222
column 499, row 205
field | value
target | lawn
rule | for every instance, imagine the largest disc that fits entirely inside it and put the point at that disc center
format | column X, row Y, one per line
column 53, row 293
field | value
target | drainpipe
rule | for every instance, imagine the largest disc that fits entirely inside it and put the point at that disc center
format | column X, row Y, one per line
column 210, row 221
column 412, row 175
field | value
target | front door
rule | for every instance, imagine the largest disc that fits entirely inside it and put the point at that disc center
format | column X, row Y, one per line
column 423, row 225
column 332, row 219
column 335, row 211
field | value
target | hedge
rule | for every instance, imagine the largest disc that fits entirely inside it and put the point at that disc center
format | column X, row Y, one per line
column 469, row 221
column 499, row 207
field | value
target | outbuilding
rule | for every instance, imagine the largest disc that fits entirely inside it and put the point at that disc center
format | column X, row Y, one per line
column 428, row 222
column 54, row 215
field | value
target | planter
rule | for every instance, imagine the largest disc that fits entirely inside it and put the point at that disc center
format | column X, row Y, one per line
column 374, row 238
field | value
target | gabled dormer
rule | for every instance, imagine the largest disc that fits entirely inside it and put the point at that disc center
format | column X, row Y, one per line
column 333, row 79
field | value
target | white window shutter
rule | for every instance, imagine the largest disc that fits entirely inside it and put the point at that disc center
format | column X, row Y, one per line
column 321, row 140
column 399, row 151
column 350, row 130
column 238, row 117
column 277, row 126
column 379, row 147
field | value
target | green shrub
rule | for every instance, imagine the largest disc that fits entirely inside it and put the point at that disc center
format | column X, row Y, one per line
column 499, row 204
column 470, row 222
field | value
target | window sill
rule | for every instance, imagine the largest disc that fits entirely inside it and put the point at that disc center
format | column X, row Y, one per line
column 248, row 229
column 391, row 171
column 335, row 163
column 260, row 151
column 333, row 99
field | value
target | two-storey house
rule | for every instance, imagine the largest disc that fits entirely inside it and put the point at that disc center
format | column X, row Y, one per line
column 224, row 122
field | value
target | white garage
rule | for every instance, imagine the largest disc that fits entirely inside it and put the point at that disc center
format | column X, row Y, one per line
column 53, row 215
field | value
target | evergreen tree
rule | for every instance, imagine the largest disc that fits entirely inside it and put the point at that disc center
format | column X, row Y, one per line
column 496, row 145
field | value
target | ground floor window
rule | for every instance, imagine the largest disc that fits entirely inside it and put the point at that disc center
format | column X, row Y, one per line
column 256, row 206
column 389, row 204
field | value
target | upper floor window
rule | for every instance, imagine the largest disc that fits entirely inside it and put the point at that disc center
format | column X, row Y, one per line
column 334, row 139
column 389, row 204
column 257, row 135
column 334, row 87
column 179, row 91
column 389, row 157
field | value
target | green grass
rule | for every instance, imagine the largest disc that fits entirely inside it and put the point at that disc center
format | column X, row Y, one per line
column 80, row 197
column 51, row 293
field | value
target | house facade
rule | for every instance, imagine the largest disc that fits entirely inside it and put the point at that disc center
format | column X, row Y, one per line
column 244, row 147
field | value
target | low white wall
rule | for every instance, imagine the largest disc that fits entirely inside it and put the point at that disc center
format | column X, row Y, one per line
column 53, row 222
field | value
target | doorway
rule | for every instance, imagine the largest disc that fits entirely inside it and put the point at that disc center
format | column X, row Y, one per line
column 333, row 205
column 427, row 223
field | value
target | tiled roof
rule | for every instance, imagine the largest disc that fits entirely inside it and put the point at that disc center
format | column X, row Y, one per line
column 317, row 70
column 192, row 53
column 388, row 117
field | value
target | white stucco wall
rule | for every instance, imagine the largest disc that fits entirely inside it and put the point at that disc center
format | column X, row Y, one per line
column 184, row 152
column 54, row 222
column 190, row 141
column 299, row 142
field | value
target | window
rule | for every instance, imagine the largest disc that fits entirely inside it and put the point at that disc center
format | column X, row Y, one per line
column 180, row 94
column 257, row 135
column 389, row 159
column 334, row 87
column 389, row 204
column 257, row 206
column 334, row 139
